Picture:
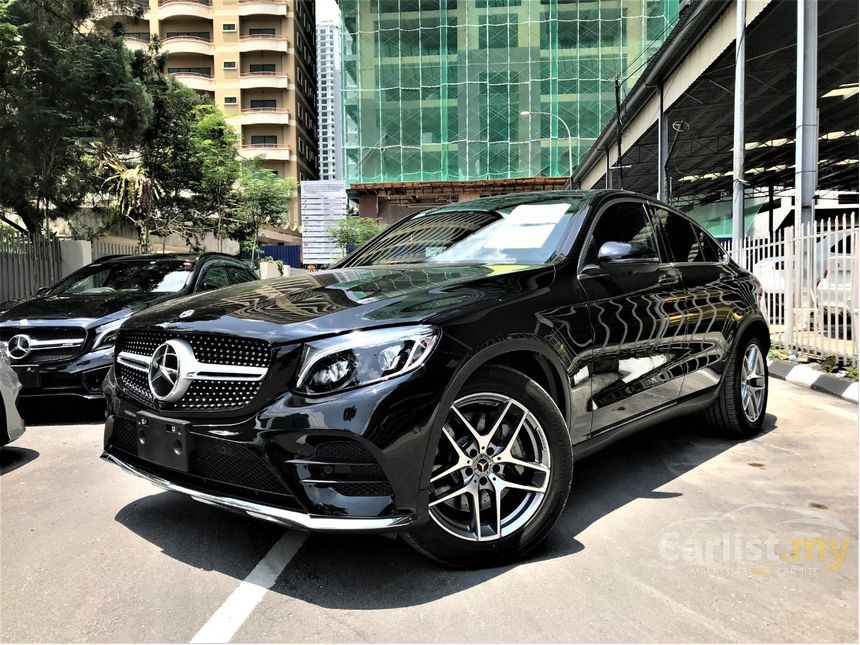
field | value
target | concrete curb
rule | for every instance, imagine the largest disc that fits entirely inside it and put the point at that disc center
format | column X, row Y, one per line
column 805, row 376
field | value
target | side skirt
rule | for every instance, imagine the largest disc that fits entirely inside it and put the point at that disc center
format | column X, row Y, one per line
column 695, row 403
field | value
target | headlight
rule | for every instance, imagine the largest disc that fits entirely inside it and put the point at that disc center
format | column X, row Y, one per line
column 106, row 334
column 363, row 357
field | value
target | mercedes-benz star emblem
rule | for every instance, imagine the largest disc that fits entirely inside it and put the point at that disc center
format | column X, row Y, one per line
column 186, row 313
column 19, row 347
column 167, row 381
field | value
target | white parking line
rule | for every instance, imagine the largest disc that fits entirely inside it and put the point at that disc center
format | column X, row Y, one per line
column 227, row 620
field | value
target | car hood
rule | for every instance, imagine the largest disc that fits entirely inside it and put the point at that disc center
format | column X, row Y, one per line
column 338, row 300
column 79, row 310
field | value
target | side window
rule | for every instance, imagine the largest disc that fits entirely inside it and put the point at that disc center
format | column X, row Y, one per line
column 622, row 222
column 680, row 235
column 710, row 250
column 214, row 277
column 239, row 275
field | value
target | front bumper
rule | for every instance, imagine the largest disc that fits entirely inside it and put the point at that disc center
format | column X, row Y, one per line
column 81, row 377
column 347, row 462
column 284, row 517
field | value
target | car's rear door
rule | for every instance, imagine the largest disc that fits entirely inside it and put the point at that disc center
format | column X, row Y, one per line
column 713, row 305
column 636, row 320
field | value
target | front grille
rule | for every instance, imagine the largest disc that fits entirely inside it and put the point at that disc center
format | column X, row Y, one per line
column 135, row 383
column 202, row 394
column 217, row 395
column 74, row 336
column 41, row 356
column 212, row 461
column 221, row 350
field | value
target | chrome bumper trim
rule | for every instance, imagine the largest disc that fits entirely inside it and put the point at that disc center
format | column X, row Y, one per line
column 290, row 519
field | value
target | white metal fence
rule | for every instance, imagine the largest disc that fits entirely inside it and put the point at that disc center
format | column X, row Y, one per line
column 810, row 279
column 26, row 265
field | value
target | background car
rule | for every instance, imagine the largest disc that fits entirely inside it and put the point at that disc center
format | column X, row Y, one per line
column 441, row 380
column 11, row 424
column 60, row 341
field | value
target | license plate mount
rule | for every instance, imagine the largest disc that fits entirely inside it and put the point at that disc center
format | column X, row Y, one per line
column 165, row 442
column 29, row 377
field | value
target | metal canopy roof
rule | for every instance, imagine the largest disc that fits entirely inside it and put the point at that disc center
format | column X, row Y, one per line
column 701, row 161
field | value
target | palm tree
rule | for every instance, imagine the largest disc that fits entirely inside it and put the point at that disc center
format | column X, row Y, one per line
column 134, row 192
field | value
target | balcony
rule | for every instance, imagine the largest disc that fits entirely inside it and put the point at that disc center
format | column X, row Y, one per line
column 265, row 116
column 269, row 151
column 254, row 80
column 184, row 8
column 188, row 44
column 263, row 42
column 135, row 41
column 196, row 81
column 262, row 7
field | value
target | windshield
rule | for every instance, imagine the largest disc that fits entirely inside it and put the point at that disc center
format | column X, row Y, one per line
column 144, row 276
column 523, row 234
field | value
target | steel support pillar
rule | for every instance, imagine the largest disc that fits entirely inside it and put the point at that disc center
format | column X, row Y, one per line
column 608, row 171
column 738, row 153
column 662, row 150
column 806, row 118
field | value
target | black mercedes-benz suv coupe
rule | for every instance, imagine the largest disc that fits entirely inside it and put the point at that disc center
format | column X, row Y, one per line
column 61, row 341
column 439, row 381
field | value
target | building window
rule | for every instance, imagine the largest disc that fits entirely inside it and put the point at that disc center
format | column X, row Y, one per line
column 262, row 67
column 229, row 64
column 229, row 26
column 264, row 139
column 262, row 31
column 230, row 100
column 202, row 71
column 199, row 35
column 258, row 104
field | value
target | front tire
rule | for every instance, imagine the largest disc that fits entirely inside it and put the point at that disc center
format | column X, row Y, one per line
column 501, row 473
column 740, row 409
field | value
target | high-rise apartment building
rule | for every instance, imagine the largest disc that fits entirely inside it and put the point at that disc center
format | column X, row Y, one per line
column 328, row 93
column 447, row 93
column 256, row 59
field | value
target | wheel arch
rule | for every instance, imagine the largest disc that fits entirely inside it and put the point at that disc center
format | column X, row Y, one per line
column 753, row 325
column 529, row 355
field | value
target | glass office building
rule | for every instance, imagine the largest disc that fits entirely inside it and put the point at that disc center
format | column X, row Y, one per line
column 434, row 90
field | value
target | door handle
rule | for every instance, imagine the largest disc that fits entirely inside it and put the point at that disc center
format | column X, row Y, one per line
column 667, row 278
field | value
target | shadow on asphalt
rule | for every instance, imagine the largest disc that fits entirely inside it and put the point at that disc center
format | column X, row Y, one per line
column 12, row 458
column 60, row 410
column 374, row 572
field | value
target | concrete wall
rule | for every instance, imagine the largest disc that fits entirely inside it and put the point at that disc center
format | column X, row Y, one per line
column 74, row 254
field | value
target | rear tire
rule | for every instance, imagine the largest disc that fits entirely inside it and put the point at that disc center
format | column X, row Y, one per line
column 740, row 409
column 507, row 447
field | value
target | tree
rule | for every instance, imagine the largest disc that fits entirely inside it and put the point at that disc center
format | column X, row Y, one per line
column 135, row 192
column 262, row 198
column 213, row 150
column 62, row 87
column 351, row 232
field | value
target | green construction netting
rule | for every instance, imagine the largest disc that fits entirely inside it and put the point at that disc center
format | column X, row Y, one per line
column 434, row 89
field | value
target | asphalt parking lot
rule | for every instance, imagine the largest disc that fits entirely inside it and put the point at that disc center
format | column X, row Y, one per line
column 672, row 535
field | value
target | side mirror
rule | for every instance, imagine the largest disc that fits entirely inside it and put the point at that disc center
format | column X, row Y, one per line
column 626, row 257
column 41, row 291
